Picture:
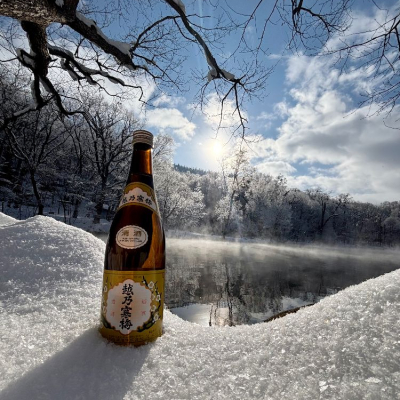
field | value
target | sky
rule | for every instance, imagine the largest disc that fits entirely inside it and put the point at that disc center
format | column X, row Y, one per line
column 310, row 125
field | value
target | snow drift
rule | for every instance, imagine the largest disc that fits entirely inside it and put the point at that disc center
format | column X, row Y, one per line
column 345, row 347
column 6, row 220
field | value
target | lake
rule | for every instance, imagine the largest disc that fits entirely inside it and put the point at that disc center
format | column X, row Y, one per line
column 213, row 282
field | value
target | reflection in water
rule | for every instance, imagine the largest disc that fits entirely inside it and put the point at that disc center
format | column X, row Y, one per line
column 227, row 283
column 245, row 283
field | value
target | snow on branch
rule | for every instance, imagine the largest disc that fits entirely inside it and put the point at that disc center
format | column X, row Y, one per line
column 215, row 72
column 130, row 55
column 121, row 51
column 180, row 4
column 72, row 66
column 121, row 46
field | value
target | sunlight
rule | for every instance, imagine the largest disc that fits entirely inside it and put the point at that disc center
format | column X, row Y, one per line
column 217, row 148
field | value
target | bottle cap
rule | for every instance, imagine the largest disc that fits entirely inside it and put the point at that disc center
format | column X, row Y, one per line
column 142, row 136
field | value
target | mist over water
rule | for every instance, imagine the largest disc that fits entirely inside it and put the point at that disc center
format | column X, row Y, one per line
column 229, row 283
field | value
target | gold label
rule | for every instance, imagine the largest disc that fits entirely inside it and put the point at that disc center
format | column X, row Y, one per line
column 132, row 306
column 131, row 237
column 138, row 193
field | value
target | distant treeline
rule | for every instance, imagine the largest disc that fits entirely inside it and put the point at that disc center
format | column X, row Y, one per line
column 182, row 168
column 77, row 167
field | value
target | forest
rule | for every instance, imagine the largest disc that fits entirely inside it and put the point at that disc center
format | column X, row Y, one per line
column 75, row 168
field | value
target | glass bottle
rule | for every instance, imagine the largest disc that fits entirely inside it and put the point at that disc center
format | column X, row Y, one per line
column 134, row 265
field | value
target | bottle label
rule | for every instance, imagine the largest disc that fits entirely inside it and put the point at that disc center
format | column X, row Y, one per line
column 132, row 306
column 137, row 193
column 131, row 237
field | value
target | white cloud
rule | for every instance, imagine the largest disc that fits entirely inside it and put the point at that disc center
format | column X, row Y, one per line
column 171, row 121
column 275, row 168
column 331, row 141
column 266, row 116
column 131, row 96
column 281, row 109
column 366, row 23
column 363, row 151
column 172, row 101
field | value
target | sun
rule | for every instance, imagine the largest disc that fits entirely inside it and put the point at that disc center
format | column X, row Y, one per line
column 217, row 149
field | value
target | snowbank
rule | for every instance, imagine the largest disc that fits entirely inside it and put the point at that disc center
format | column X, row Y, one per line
column 6, row 220
column 345, row 347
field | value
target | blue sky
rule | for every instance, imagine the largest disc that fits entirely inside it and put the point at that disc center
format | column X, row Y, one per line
column 311, row 126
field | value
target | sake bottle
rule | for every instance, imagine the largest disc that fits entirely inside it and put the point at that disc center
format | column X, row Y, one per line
column 134, row 265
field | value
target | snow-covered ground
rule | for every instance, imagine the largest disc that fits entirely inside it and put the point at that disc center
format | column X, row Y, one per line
column 6, row 220
column 345, row 347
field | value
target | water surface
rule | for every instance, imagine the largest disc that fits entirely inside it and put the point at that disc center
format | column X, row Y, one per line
column 227, row 283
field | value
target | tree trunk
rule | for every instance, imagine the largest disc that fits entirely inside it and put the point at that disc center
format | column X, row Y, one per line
column 42, row 12
column 100, row 203
column 36, row 193
column 99, row 209
column 228, row 219
column 76, row 209
column 322, row 222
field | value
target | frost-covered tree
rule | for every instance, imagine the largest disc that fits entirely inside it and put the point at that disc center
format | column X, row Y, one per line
column 269, row 212
column 180, row 205
column 326, row 208
column 211, row 185
column 163, row 151
column 236, row 173
column 35, row 140
column 108, row 144
column 179, row 196
column 392, row 227
column 366, row 222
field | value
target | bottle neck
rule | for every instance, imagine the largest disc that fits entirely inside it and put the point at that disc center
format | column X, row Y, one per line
column 141, row 160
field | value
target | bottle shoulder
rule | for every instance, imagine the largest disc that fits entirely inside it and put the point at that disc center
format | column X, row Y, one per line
column 146, row 179
column 133, row 213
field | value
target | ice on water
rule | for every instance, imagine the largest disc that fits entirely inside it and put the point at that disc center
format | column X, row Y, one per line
column 345, row 347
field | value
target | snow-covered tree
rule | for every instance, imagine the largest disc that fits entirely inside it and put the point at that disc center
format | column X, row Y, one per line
column 269, row 212
column 108, row 144
column 392, row 227
column 326, row 208
column 34, row 140
column 236, row 173
column 180, row 205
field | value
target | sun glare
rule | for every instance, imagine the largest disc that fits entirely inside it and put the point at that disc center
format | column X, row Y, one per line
column 217, row 149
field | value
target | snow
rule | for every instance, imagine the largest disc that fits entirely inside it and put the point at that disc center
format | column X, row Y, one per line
column 228, row 75
column 121, row 46
column 180, row 4
column 345, row 347
column 71, row 72
column 61, row 49
column 212, row 74
column 5, row 219
column 87, row 71
column 30, row 107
